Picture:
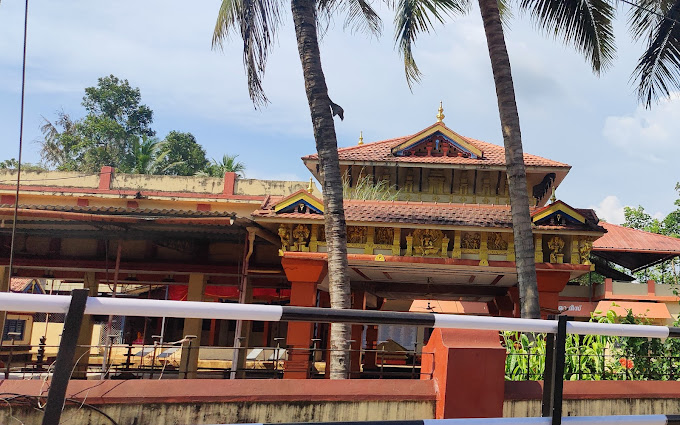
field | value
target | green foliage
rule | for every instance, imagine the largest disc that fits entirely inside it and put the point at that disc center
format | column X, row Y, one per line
column 227, row 164
column 117, row 100
column 13, row 164
column 117, row 131
column 364, row 189
column 182, row 155
column 115, row 121
column 596, row 357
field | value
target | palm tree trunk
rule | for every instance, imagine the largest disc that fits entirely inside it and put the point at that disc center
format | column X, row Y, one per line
column 514, row 158
column 304, row 17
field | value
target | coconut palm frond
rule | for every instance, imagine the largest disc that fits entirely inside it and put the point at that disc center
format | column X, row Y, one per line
column 360, row 15
column 646, row 15
column 585, row 24
column 506, row 12
column 658, row 69
column 256, row 22
column 413, row 17
column 228, row 164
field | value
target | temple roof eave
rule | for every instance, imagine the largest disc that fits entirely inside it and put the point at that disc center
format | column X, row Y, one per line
column 277, row 219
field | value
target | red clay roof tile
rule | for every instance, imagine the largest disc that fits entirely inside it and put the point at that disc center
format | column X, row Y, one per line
column 619, row 238
column 382, row 152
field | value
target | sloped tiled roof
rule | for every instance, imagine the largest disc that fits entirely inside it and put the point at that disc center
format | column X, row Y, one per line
column 21, row 284
column 123, row 211
column 619, row 238
column 475, row 215
column 382, row 152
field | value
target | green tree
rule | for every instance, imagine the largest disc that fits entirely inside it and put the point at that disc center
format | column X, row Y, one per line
column 228, row 164
column 182, row 155
column 586, row 24
column 105, row 136
column 256, row 22
column 116, row 99
column 13, row 164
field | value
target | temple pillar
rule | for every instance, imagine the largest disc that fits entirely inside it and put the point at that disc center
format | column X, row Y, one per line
column 188, row 365
column 358, row 303
column 243, row 332
column 304, row 275
column 502, row 306
column 370, row 356
column 550, row 284
column 513, row 293
column 86, row 329
column 468, row 367
column 4, row 287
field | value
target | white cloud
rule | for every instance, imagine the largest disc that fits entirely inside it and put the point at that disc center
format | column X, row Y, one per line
column 649, row 134
column 610, row 209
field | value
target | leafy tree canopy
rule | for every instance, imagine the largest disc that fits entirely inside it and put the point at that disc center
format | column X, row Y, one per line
column 117, row 132
column 182, row 155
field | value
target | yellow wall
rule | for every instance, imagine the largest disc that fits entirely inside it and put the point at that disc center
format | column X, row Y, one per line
column 27, row 328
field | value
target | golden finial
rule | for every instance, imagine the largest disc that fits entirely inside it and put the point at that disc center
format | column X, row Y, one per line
column 552, row 197
column 361, row 138
column 310, row 188
column 440, row 113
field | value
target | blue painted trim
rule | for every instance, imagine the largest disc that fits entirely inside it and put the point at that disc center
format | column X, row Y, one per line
column 437, row 133
column 564, row 214
column 293, row 207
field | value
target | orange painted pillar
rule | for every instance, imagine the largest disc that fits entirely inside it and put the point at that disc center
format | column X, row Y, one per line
column 370, row 356
column 550, row 284
column 469, row 369
column 304, row 276
column 358, row 303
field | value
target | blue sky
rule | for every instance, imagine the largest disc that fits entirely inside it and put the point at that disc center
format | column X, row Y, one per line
column 621, row 154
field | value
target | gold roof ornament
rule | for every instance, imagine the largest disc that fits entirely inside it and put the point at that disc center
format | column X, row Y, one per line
column 310, row 188
column 440, row 113
column 361, row 138
column 553, row 198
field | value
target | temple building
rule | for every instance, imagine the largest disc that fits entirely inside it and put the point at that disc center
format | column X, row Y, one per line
column 443, row 243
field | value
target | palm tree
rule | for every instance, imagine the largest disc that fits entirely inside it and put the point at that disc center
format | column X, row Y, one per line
column 227, row 164
column 658, row 68
column 256, row 22
column 584, row 23
column 146, row 156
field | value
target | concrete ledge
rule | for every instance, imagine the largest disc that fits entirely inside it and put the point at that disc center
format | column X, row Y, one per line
column 220, row 390
column 596, row 390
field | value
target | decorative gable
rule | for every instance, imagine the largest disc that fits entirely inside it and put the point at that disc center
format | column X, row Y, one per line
column 438, row 141
column 556, row 214
column 299, row 202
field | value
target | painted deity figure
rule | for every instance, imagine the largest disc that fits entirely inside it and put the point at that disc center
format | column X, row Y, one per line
column 300, row 236
column 584, row 251
column 497, row 243
column 284, row 236
column 471, row 241
column 556, row 244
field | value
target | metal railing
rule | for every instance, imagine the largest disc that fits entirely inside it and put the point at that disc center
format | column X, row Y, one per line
column 162, row 361
column 79, row 304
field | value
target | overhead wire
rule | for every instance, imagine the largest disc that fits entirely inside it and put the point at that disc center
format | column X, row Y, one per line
column 21, row 144
column 628, row 2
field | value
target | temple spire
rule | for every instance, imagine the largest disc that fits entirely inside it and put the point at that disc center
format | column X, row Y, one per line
column 310, row 188
column 361, row 138
column 440, row 113
column 553, row 198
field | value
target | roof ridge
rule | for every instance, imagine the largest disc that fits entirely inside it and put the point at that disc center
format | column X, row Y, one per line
column 472, row 140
